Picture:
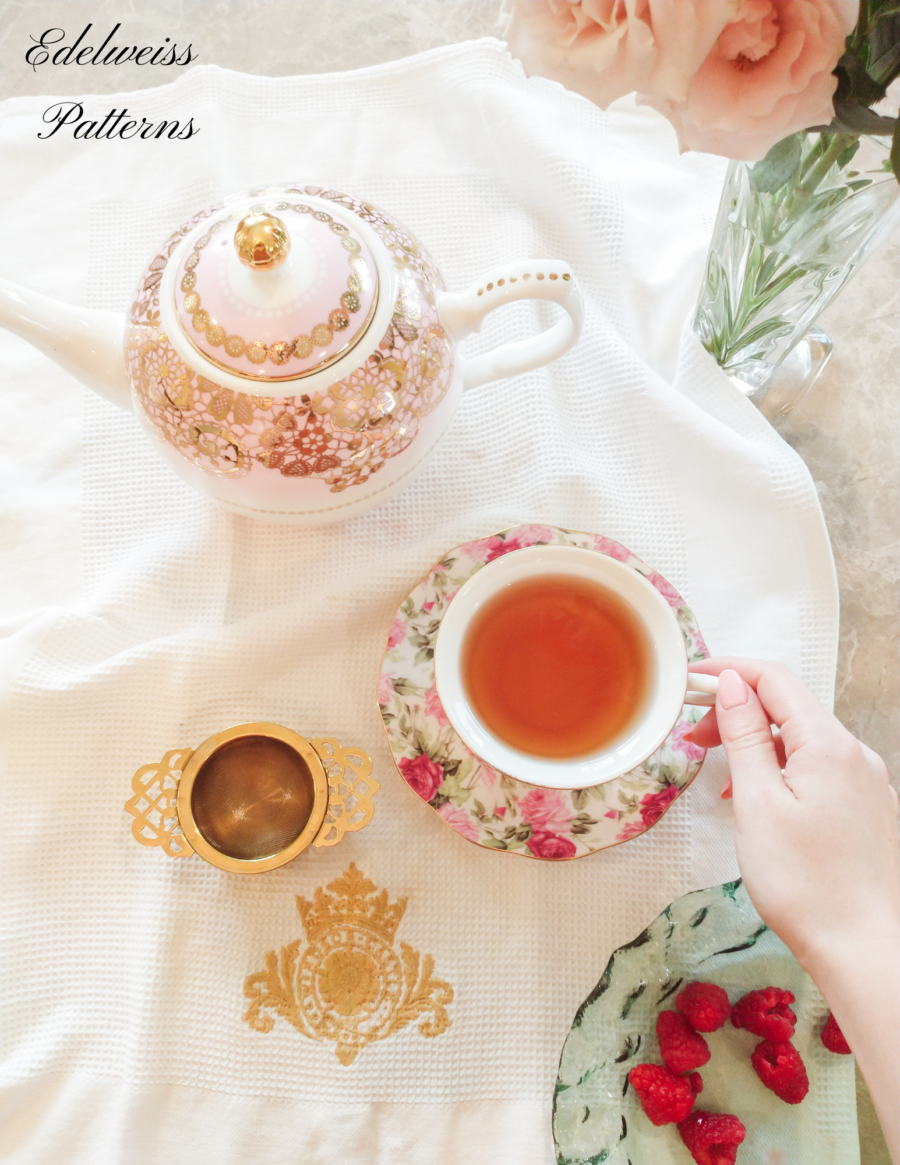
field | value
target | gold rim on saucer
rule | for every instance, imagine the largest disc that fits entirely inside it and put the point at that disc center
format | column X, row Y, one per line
column 251, row 798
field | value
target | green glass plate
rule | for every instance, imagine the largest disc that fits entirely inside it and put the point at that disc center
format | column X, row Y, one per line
column 716, row 936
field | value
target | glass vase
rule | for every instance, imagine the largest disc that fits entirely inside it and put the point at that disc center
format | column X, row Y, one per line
column 789, row 234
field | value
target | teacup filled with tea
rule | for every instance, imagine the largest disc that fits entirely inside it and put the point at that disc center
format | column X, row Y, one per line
column 563, row 667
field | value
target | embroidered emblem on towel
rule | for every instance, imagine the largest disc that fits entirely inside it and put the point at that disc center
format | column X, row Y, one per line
column 349, row 986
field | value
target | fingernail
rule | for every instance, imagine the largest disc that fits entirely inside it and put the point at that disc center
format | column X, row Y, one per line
column 732, row 690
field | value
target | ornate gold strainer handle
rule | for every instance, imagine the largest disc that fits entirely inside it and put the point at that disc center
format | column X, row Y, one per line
column 352, row 787
column 153, row 806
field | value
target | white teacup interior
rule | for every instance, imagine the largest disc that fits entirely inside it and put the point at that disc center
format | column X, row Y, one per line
column 665, row 688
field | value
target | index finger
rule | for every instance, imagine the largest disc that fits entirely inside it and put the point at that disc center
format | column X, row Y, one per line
column 787, row 701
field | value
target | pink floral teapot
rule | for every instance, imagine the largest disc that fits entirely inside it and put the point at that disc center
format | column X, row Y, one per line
column 293, row 350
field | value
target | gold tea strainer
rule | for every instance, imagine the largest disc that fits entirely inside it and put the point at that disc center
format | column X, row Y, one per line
column 252, row 798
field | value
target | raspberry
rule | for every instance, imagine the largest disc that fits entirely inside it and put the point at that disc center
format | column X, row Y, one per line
column 833, row 1037
column 766, row 1013
column 712, row 1137
column 666, row 1099
column 681, row 1048
column 704, row 1005
column 780, row 1068
column 696, row 1082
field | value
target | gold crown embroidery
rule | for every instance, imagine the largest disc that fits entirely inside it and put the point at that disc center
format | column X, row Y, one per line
column 349, row 986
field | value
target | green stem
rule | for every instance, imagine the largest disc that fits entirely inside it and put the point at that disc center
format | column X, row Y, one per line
column 838, row 144
column 814, row 153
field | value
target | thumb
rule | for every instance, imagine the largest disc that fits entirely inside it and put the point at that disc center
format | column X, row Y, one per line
column 747, row 737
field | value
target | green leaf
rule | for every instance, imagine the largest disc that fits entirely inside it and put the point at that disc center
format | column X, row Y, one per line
column 453, row 791
column 404, row 687
column 846, row 156
column 856, row 117
column 884, row 48
column 777, row 167
column 895, row 152
column 580, row 798
column 854, row 82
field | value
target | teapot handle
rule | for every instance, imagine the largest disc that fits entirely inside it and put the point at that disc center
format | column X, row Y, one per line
column 461, row 314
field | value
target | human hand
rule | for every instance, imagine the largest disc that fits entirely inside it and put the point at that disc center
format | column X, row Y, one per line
column 816, row 837
column 817, row 844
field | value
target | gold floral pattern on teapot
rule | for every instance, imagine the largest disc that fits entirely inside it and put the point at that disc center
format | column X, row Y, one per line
column 344, row 434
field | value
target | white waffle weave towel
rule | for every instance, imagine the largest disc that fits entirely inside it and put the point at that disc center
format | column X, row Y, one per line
column 140, row 617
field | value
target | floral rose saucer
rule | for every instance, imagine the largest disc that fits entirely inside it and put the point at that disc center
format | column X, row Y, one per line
column 490, row 808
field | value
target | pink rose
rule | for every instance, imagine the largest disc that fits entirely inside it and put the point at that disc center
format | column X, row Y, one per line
column 666, row 589
column 385, row 689
column 397, row 632
column 686, row 747
column 654, row 805
column 460, row 821
column 434, row 707
column 632, row 829
column 487, row 549
column 546, row 811
column 489, row 775
column 482, row 548
column 768, row 75
column 422, row 775
column 528, row 535
column 611, row 549
column 548, row 845
column 604, row 49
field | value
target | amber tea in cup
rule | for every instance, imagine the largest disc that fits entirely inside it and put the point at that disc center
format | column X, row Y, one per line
column 563, row 667
column 556, row 665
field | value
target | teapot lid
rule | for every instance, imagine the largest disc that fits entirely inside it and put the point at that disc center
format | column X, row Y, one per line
column 276, row 290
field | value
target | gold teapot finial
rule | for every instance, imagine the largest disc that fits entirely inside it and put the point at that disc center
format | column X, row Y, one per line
column 262, row 242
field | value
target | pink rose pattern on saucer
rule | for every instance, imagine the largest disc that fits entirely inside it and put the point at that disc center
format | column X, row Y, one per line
column 490, row 808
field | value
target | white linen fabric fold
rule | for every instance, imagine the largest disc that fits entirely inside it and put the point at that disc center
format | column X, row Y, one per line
column 141, row 617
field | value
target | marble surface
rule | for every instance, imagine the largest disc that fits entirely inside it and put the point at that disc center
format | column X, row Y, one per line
column 846, row 428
